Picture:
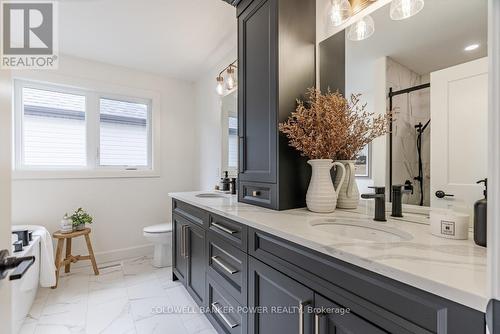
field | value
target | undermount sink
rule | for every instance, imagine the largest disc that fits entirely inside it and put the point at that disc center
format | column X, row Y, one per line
column 360, row 230
column 210, row 195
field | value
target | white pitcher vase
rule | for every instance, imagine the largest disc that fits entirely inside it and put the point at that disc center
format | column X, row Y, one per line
column 321, row 195
column 348, row 196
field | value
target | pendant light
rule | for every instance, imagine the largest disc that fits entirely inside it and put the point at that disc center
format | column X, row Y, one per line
column 403, row 9
column 230, row 73
column 362, row 29
column 220, row 85
column 231, row 82
column 340, row 11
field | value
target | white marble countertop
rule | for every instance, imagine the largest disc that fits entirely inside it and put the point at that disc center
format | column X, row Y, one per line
column 453, row 269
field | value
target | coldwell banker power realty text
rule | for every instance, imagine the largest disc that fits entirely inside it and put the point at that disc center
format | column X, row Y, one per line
column 29, row 35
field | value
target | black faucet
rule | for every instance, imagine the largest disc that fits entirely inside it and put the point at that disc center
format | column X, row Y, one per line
column 23, row 235
column 21, row 265
column 379, row 197
column 397, row 194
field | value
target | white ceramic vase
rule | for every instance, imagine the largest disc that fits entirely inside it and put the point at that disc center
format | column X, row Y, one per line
column 321, row 195
column 348, row 196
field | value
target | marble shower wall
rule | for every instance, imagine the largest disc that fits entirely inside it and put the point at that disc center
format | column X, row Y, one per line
column 409, row 110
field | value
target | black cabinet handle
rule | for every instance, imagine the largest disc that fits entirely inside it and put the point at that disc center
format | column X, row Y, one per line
column 442, row 194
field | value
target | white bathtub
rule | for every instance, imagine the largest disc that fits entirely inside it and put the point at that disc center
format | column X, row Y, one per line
column 24, row 290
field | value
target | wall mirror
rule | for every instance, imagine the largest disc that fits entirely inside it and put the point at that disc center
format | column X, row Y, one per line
column 431, row 71
column 229, row 118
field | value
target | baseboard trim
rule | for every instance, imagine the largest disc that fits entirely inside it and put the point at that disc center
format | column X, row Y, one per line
column 117, row 255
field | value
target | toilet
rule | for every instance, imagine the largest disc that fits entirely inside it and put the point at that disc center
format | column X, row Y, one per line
column 161, row 237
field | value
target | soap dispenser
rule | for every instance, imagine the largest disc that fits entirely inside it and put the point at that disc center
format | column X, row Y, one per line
column 480, row 214
column 226, row 182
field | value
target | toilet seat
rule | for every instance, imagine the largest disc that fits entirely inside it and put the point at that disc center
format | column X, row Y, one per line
column 159, row 228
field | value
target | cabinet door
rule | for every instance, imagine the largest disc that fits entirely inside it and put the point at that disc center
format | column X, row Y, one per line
column 257, row 91
column 284, row 304
column 196, row 265
column 179, row 257
column 334, row 319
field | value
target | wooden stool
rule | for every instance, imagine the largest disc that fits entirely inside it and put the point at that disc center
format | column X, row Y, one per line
column 71, row 258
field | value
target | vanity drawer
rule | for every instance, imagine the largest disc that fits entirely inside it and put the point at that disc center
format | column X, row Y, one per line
column 256, row 193
column 194, row 214
column 225, row 312
column 231, row 231
column 389, row 304
column 228, row 266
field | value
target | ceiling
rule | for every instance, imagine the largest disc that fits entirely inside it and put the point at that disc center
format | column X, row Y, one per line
column 175, row 38
column 432, row 40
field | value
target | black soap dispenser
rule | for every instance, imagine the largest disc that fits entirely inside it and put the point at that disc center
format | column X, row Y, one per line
column 480, row 215
column 226, row 182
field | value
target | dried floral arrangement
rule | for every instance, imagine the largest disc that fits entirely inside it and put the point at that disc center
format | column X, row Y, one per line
column 329, row 126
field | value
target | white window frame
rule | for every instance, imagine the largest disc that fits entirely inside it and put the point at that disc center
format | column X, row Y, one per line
column 92, row 119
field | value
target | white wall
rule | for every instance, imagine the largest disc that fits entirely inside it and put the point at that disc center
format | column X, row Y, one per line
column 208, row 111
column 121, row 207
column 368, row 78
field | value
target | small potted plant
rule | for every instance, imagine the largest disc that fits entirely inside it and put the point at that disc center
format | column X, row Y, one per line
column 80, row 218
column 328, row 128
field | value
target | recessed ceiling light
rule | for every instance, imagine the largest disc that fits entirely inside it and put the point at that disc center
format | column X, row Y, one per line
column 471, row 47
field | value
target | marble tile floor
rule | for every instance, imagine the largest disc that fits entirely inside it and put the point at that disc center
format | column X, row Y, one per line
column 132, row 297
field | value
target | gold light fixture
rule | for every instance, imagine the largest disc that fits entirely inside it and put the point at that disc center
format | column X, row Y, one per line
column 220, row 85
column 340, row 12
column 230, row 80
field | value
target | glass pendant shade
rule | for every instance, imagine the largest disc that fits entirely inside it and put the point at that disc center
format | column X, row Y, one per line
column 362, row 29
column 231, row 82
column 403, row 9
column 340, row 12
column 220, row 85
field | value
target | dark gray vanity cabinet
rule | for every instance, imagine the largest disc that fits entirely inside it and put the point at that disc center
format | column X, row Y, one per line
column 331, row 318
column 188, row 248
column 284, row 302
column 189, row 263
column 276, row 63
column 196, row 264
column 257, row 283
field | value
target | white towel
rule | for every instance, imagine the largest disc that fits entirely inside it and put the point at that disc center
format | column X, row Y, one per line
column 47, row 266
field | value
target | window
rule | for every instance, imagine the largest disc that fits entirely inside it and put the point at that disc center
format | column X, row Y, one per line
column 66, row 129
column 53, row 128
column 232, row 150
column 230, row 134
column 124, row 133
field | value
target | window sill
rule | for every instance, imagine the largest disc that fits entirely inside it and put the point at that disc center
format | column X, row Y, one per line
column 82, row 174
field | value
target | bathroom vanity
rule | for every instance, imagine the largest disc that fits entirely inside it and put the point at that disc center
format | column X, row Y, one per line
column 257, row 270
